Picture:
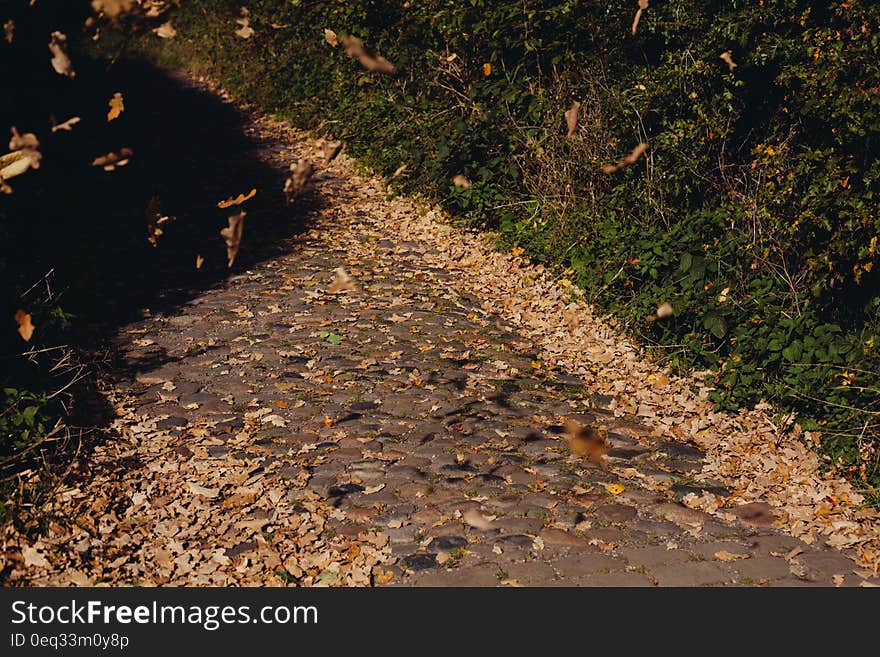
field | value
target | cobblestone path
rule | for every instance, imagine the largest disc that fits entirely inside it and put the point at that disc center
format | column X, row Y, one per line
column 419, row 416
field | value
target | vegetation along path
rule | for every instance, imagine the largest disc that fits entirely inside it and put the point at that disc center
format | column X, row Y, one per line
column 388, row 401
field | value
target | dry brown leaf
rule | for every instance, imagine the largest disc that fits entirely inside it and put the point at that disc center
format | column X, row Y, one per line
column 461, row 181
column 330, row 37
column 155, row 221
column 665, row 310
column 113, row 8
column 25, row 328
column 383, row 577
column 232, row 235
column 9, row 30
column 637, row 152
column 724, row 555
column 727, row 59
column 298, row 181
column 117, row 106
column 22, row 142
column 571, row 119
column 111, row 160
column 586, row 440
column 33, row 557
column 198, row 489
column 199, row 261
column 643, row 4
column 838, row 580
column 245, row 31
column 328, row 150
column 477, row 520
column 165, row 31
column 60, row 61
column 370, row 60
column 398, row 171
column 238, row 200
column 342, row 282
column 66, row 125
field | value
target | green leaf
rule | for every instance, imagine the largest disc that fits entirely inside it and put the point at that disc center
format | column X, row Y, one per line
column 716, row 325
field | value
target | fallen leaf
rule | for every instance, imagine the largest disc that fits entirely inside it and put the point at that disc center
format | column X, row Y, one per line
column 637, row 152
column 113, row 8
column 60, row 61
column 586, row 440
column 23, row 142
column 487, row 69
column 664, row 310
column 232, row 235
column 510, row 581
column 342, row 282
column 838, row 580
column 9, row 30
column 723, row 296
column 724, row 555
column 33, row 557
column 477, row 520
column 398, row 171
column 245, row 31
column 614, row 489
column 238, row 200
column 25, row 328
column 111, row 160
column 461, row 181
column 727, row 59
column 155, row 221
column 199, row 261
column 330, row 37
column 298, row 181
column 643, row 4
column 117, row 106
column 165, row 31
column 369, row 490
column 328, row 150
column 571, row 119
column 197, row 489
column 370, row 60
column 383, row 577
column 66, row 125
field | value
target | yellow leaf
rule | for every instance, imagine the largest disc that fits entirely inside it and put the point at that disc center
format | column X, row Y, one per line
column 238, row 200
column 25, row 328
column 614, row 489
column 116, row 106
column 487, row 69
column 724, row 555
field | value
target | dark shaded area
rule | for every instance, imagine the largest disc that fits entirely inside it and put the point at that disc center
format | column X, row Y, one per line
column 89, row 227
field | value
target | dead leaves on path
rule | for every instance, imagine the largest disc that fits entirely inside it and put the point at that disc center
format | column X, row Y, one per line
column 369, row 59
